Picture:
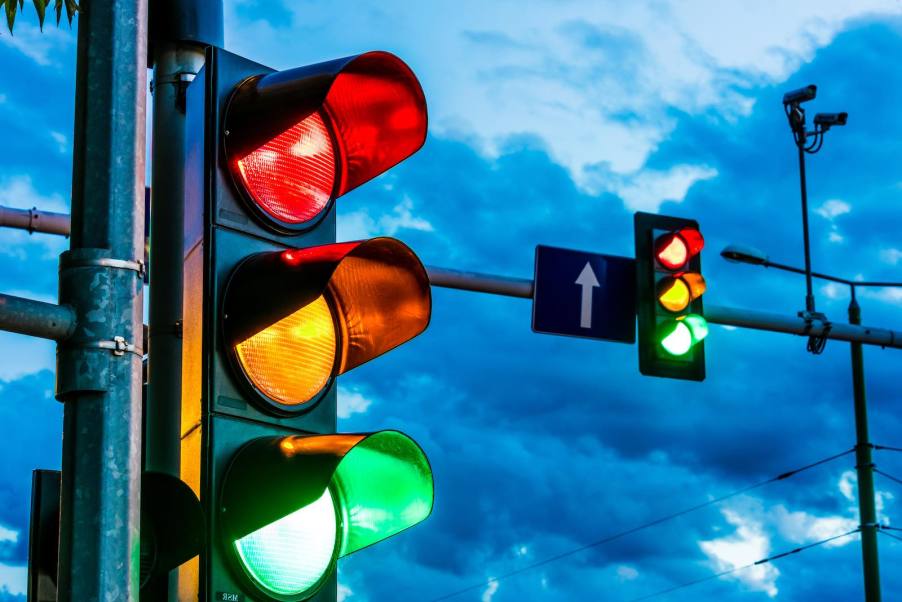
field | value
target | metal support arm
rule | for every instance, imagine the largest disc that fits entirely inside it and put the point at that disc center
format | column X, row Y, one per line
column 36, row 318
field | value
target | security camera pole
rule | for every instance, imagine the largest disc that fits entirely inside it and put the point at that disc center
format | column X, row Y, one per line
column 792, row 104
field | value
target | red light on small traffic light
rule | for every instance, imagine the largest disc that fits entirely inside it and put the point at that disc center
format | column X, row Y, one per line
column 674, row 249
column 671, row 251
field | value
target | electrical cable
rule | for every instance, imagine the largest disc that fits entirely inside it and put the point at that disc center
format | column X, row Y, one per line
column 746, row 566
column 887, row 448
column 888, row 534
column 888, row 476
column 641, row 527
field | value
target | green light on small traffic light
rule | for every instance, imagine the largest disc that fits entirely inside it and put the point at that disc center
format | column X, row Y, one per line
column 680, row 335
column 678, row 341
column 289, row 556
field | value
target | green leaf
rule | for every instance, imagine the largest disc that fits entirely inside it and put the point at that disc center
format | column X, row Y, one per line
column 40, row 7
column 11, row 6
column 71, row 9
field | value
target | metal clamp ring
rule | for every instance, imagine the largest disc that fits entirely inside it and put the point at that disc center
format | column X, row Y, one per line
column 106, row 262
column 118, row 346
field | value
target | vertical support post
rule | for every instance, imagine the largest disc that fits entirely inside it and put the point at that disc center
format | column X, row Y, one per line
column 99, row 370
column 864, row 465
column 809, row 295
column 175, row 65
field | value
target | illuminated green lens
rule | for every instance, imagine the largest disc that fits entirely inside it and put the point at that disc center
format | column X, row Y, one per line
column 385, row 486
column 677, row 339
column 290, row 555
column 698, row 327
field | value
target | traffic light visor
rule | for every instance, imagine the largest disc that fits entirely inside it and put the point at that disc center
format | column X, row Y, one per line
column 295, row 319
column 298, row 139
column 293, row 505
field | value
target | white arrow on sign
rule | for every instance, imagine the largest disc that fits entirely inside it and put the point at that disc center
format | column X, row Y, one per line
column 588, row 282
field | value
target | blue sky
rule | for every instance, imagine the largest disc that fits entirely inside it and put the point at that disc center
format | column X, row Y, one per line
column 550, row 123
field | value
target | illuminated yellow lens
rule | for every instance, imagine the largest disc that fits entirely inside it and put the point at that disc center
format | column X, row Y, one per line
column 291, row 361
column 673, row 294
column 696, row 284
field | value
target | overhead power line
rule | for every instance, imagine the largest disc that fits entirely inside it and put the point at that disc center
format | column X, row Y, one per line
column 888, row 476
column 746, row 566
column 884, row 531
column 887, row 448
column 641, row 527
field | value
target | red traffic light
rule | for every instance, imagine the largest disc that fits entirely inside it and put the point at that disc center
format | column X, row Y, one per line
column 674, row 249
column 296, row 140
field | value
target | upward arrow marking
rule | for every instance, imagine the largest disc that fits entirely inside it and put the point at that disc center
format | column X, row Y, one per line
column 588, row 282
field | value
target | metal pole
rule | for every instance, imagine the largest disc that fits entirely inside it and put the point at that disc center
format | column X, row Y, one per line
column 482, row 283
column 36, row 318
column 865, row 468
column 175, row 65
column 35, row 220
column 99, row 367
column 809, row 296
column 729, row 316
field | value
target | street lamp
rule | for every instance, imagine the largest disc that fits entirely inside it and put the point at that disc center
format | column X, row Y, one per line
column 864, row 463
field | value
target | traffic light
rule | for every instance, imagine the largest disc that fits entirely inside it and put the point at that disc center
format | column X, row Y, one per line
column 275, row 310
column 669, row 288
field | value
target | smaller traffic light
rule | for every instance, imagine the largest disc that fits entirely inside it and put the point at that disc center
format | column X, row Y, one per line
column 291, row 506
column 669, row 290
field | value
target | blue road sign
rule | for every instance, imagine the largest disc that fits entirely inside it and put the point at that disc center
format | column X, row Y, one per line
column 582, row 294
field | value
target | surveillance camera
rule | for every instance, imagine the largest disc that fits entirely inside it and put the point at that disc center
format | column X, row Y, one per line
column 801, row 95
column 827, row 120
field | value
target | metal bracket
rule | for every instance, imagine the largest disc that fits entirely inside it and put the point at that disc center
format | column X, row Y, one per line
column 118, row 346
column 118, row 264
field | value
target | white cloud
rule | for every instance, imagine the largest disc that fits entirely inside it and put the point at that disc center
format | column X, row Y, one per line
column 801, row 527
column 626, row 573
column 358, row 225
column 19, row 192
column 833, row 208
column 595, row 79
column 344, row 592
column 40, row 47
column 14, row 579
column 891, row 255
column 7, row 534
column 352, row 401
column 746, row 545
column 490, row 590
column 61, row 140
column 834, row 290
column 648, row 189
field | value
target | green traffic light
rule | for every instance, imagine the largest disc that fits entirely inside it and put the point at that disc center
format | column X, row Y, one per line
column 291, row 555
column 338, row 494
column 679, row 336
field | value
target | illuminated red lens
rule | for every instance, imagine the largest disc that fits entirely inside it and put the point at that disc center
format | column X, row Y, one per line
column 292, row 176
column 694, row 240
column 671, row 251
column 378, row 113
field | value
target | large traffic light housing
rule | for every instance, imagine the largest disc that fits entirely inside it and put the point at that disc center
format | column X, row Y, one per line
column 669, row 287
column 275, row 310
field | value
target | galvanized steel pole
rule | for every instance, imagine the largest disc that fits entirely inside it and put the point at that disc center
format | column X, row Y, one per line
column 864, row 465
column 99, row 369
